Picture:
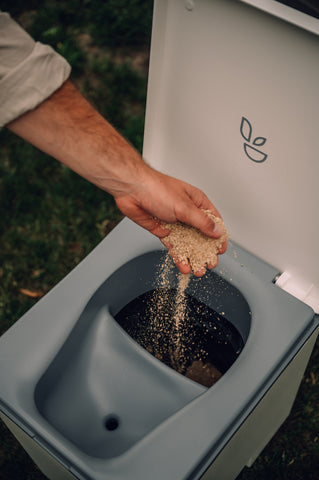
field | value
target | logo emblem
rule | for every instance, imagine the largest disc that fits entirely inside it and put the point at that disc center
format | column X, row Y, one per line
column 251, row 151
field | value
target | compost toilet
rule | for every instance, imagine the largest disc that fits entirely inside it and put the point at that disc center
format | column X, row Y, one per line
column 232, row 107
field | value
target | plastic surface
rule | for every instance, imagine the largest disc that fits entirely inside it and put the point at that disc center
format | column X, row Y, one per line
column 35, row 378
column 227, row 110
column 233, row 108
column 292, row 15
column 242, row 449
column 83, row 394
column 90, row 393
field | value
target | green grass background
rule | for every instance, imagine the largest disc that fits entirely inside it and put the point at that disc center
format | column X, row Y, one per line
column 51, row 218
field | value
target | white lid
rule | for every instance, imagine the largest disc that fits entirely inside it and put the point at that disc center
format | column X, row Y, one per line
column 233, row 108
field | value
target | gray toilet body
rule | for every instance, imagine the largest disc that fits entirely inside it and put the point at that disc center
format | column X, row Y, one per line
column 87, row 368
column 76, row 368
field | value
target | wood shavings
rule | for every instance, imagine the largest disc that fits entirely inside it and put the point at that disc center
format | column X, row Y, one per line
column 189, row 245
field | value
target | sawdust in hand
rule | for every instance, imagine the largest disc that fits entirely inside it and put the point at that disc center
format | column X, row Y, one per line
column 189, row 246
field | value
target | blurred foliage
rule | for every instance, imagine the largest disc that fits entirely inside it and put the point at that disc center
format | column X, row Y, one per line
column 119, row 22
column 46, row 207
column 51, row 218
column 17, row 7
column 119, row 92
column 55, row 24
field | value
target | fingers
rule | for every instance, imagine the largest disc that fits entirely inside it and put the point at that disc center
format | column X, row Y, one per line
column 195, row 214
column 133, row 211
column 200, row 200
column 177, row 202
column 200, row 220
column 183, row 267
column 223, row 248
column 186, row 268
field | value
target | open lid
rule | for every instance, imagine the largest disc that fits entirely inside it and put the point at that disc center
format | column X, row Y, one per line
column 233, row 108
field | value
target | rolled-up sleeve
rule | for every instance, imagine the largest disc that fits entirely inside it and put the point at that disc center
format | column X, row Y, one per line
column 29, row 71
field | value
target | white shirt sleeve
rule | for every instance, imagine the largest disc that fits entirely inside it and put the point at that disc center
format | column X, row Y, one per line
column 29, row 71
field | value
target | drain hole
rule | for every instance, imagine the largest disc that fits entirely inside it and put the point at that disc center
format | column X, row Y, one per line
column 111, row 422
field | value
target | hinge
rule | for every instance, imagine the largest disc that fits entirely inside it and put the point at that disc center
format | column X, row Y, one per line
column 305, row 291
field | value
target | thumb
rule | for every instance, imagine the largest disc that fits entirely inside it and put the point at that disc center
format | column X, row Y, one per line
column 206, row 223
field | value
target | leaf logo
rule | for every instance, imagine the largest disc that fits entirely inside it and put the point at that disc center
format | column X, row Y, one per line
column 253, row 153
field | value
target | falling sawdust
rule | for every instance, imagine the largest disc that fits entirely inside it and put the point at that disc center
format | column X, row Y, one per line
column 170, row 334
column 179, row 317
column 169, row 318
column 180, row 299
column 188, row 246
column 175, row 326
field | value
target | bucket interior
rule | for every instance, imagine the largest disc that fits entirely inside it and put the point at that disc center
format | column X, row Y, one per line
column 103, row 391
column 182, row 332
column 198, row 327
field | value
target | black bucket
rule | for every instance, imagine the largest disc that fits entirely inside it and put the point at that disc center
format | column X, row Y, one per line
column 187, row 335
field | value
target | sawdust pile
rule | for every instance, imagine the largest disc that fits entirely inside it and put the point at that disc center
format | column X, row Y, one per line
column 189, row 245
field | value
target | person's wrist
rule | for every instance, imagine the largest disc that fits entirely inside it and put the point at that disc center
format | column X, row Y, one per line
column 128, row 178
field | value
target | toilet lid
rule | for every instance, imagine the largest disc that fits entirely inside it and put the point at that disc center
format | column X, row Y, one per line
column 233, row 108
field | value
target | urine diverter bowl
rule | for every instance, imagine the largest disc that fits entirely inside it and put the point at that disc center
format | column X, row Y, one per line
column 232, row 107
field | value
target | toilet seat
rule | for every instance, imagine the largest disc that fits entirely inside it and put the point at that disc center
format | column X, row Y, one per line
column 216, row 109
column 270, row 346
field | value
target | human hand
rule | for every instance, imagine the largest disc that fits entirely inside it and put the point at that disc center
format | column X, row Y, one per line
column 160, row 198
column 68, row 128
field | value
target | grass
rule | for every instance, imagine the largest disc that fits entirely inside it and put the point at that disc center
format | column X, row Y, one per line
column 51, row 218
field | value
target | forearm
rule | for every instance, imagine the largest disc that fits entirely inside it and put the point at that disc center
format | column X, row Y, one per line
column 68, row 128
